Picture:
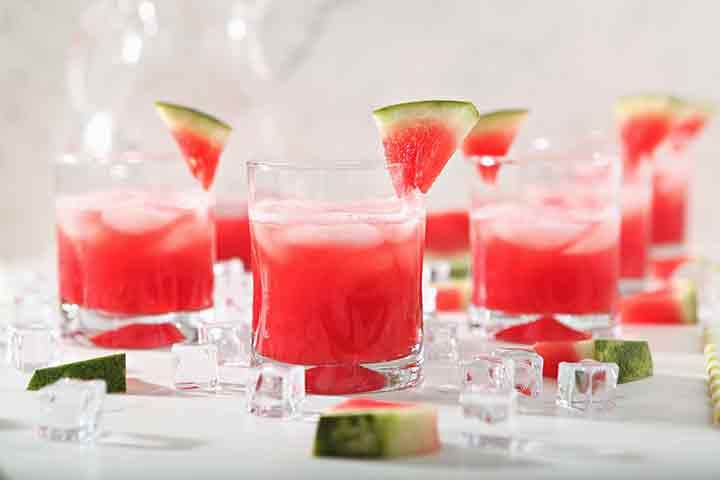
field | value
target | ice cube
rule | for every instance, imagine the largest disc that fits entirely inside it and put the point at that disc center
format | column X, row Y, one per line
column 71, row 410
column 440, row 340
column 488, row 371
column 537, row 230
column 599, row 236
column 528, row 367
column 587, row 385
column 233, row 295
column 276, row 391
column 137, row 217
column 356, row 234
column 490, row 406
column 33, row 334
column 196, row 366
column 232, row 340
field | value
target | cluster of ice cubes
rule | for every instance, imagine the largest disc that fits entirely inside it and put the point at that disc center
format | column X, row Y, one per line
column 33, row 333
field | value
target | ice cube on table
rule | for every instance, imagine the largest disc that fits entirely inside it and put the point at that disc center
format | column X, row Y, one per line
column 232, row 340
column 440, row 339
column 71, row 410
column 490, row 406
column 276, row 391
column 587, row 386
column 33, row 335
column 527, row 370
column 196, row 366
column 488, row 371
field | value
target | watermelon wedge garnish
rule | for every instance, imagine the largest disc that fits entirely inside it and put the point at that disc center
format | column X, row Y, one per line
column 422, row 136
column 201, row 138
column 544, row 329
column 139, row 336
column 491, row 138
column 644, row 122
column 663, row 268
column 690, row 120
column 674, row 304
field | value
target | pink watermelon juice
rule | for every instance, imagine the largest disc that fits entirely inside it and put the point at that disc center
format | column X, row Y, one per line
column 670, row 200
column 232, row 230
column 635, row 230
column 337, row 290
column 447, row 233
column 134, row 253
column 544, row 259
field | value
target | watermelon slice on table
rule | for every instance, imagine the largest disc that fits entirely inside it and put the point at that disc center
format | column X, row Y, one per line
column 201, row 138
column 663, row 268
column 632, row 357
column 139, row 336
column 644, row 122
column 491, row 137
column 367, row 428
column 691, row 119
column 674, row 304
column 545, row 329
column 422, row 136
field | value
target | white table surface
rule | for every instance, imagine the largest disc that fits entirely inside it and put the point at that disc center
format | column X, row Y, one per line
column 659, row 429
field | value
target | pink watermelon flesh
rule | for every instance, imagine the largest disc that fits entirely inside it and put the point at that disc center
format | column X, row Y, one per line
column 553, row 353
column 545, row 329
column 490, row 143
column 671, row 305
column 423, row 148
column 663, row 268
column 641, row 134
column 139, row 336
column 342, row 380
column 200, row 154
column 370, row 404
column 686, row 130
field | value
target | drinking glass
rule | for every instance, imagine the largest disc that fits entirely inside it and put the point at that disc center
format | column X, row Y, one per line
column 670, row 191
column 337, row 266
column 135, row 242
column 636, row 227
column 545, row 239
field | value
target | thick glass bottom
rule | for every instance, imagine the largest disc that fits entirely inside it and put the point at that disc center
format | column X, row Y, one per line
column 81, row 323
column 488, row 322
column 341, row 379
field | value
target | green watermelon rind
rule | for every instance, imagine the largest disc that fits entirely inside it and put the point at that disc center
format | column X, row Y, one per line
column 685, row 295
column 660, row 103
column 633, row 358
column 499, row 120
column 459, row 116
column 179, row 117
column 376, row 432
column 110, row 368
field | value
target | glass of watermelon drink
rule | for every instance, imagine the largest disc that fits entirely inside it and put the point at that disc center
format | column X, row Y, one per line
column 135, row 242
column 670, row 188
column 635, row 231
column 337, row 267
column 545, row 240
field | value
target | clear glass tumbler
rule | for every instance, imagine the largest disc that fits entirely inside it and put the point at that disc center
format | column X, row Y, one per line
column 135, row 242
column 636, row 227
column 670, row 194
column 337, row 266
column 545, row 239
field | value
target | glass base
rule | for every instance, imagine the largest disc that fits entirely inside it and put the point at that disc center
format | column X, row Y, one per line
column 81, row 323
column 667, row 250
column 488, row 322
column 339, row 379
column 631, row 286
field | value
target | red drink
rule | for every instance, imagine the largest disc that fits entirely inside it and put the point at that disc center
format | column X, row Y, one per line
column 340, row 291
column 635, row 231
column 447, row 233
column 544, row 260
column 232, row 230
column 135, row 253
column 670, row 201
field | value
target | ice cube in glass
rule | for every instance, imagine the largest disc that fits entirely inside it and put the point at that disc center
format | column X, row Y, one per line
column 71, row 410
column 587, row 385
column 527, row 370
column 276, row 391
column 232, row 340
column 196, row 366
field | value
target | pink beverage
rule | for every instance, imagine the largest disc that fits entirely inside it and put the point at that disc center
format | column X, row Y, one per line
column 232, row 229
column 135, row 253
column 337, row 281
column 635, row 231
column 448, row 233
column 670, row 190
column 546, row 241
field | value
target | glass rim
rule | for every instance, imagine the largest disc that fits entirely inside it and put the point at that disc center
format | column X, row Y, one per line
column 129, row 156
column 571, row 154
column 309, row 167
